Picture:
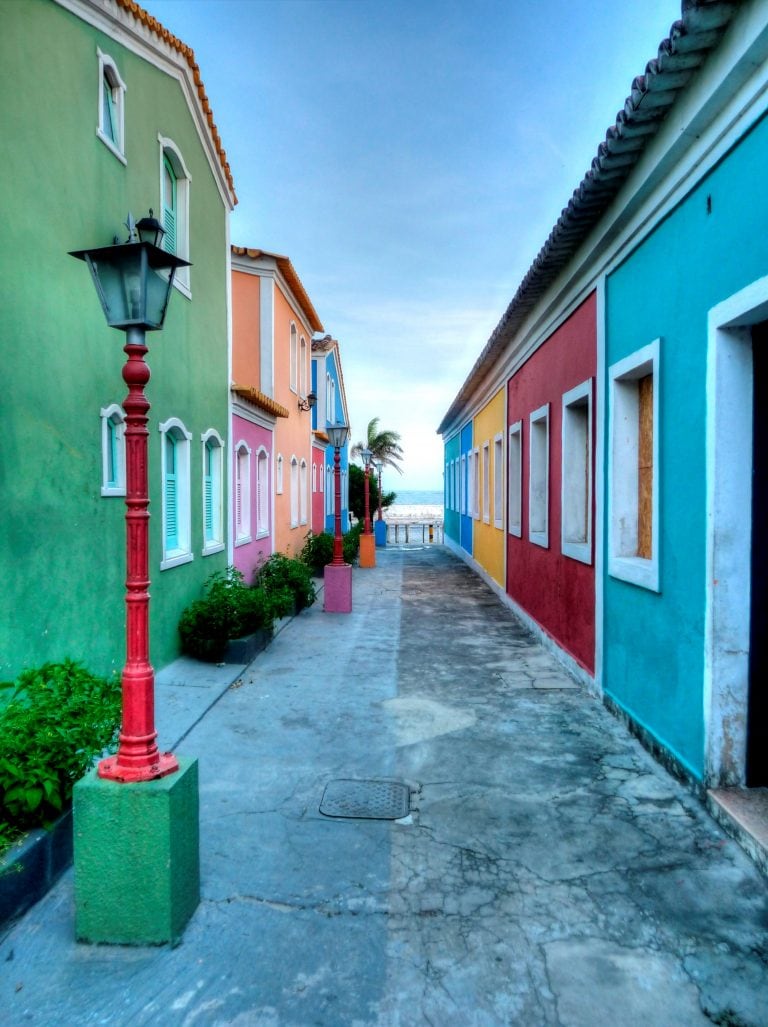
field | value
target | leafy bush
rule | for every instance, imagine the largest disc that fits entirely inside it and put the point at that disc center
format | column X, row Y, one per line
column 287, row 582
column 58, row 719
column 357, row 493
column 318, row 549
column 229, row 609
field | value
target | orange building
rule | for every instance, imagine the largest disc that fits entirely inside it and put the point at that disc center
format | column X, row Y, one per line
column 273, row 321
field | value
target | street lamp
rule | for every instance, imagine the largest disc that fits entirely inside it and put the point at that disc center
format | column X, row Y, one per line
column 337, row 577
column 367, row 544
column 134, row 281
column 309, row 402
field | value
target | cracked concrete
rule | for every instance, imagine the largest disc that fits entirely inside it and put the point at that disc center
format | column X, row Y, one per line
column 550, row 873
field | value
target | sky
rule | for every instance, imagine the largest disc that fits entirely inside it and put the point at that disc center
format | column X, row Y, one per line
column 411, row 158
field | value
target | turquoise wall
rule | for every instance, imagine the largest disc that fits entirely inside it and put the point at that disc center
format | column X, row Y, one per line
column 451, row 522
column 62, row 549
column 653, row 647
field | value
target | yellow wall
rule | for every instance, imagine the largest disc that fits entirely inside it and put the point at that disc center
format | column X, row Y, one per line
column 488, row 540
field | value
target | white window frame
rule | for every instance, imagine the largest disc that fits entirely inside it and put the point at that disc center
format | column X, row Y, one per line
column 538, row 476
column 279, row 482
column 303, row 367
column 182, row 553
column 112, row 486
column 293, row 357
column 322, row 476
column 329, row 492
column 303, row 493
column 118, row 88
column 623, row 441
column 486, row 482
column 294, row 487
column 576, row 474
column 475, row 484
column 498, row 481
column 169, row 149
column 216, row 544
column 463, row 482
column 314, row 477
column 262, row 492
column 515, row 479
column 457, row 485
column 242, row 492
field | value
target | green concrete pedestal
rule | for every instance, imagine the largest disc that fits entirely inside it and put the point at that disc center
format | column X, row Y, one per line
column 137, row 858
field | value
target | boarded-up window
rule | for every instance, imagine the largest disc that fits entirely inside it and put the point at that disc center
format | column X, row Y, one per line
column 645, row 467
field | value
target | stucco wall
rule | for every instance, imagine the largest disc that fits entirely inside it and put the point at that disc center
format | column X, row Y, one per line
column 247, row 556
column 709, row 247
column 488, row 543
column 556, row 590
column 62, row 551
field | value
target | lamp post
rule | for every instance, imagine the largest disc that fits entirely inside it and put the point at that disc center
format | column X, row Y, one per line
column 337, row 578
column 380, row 527
column 141, row 801
column 134, row 281
column 367, row 543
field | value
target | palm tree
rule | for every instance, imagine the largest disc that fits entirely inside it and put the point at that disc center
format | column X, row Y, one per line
column 384, row 446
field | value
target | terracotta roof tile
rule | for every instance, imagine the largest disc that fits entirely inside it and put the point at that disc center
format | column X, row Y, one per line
column 258, row 399
column 188, row 54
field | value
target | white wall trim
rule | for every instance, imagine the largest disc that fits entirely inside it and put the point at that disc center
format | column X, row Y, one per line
column 538, row 490
column 576, row 478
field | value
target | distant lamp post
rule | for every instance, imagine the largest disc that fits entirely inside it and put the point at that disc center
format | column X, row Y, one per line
column 134, row 281
column 367, row 542
column 337, row 593
column 309, row 402
column 380, row 527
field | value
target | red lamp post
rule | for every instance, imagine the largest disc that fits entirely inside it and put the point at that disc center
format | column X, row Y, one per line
column 337, row 435
column 366, row 455
column 134, row 281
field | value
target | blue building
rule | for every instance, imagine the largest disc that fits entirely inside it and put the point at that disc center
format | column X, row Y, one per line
column 330, row 409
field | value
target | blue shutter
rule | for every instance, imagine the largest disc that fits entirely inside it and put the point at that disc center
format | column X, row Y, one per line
column 169, row 206
column 171, row 495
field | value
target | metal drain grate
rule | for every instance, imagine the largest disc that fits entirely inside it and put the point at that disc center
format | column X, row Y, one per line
column 366, row 800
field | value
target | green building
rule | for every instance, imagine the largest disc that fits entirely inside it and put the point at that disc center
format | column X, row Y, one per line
column 104, row 113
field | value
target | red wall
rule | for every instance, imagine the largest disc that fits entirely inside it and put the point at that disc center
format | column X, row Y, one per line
column 318, row 498
column 557, row 591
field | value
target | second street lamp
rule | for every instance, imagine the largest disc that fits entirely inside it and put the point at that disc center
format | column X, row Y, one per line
column 367, row 542
column 337, row 578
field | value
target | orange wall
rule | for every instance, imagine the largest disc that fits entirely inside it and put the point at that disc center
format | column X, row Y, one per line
column 246, row 321
column 292, row 433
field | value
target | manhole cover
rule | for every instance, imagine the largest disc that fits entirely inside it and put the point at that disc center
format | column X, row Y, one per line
column 366, row 800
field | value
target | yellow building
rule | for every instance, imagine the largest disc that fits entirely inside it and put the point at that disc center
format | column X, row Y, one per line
column 487, row 491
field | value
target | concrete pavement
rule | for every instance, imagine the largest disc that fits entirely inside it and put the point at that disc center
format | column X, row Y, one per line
column 550, row 872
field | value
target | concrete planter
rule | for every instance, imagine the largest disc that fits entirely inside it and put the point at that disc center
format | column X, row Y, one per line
column 32, row 866
column 243, row 650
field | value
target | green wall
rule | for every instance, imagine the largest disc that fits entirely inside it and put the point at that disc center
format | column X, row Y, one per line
column 62, row 552
column 451, row 523
column 654, row 643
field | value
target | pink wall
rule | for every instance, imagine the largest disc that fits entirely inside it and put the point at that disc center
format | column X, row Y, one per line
column 316, row 482
column 247, row 556
column 557, row 591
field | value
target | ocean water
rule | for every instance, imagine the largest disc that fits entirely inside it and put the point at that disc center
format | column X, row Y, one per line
column 415, row 497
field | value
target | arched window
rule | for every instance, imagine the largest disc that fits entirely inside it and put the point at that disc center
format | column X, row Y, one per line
column 174, row 204
column 112, row 451
column 262, row 492
column 213, row 492
column 242, row 493
column 314, row 477
column 279, row 483
column 294, row 357
column 294, row 492
column 111, row 127
column 303, row 368
column 177, row 547
column 303, row 492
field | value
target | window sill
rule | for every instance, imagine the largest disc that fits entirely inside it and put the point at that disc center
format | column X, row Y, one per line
column 110, row 145
column 499, row 525
column 112, row 490
column 182, row 287
column 516, row 530
column 636, row 570
column 243, row 541
column 175, row 561
column 581, row 551
column 262, row 534
column 213, row 547
column 539, row 538
column 487, row 520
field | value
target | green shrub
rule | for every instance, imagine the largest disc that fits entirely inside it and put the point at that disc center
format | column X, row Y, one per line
column 287, row 582
column 58, row 719
column 229, row 609
column 318, row 549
